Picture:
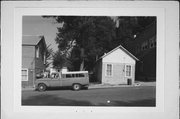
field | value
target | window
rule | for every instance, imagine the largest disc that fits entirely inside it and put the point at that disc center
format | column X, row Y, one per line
column 68, row 76
column 128, row 71
column 109, row 70
column 144, row 45
column 44, row 58
column 80, row 75
column 75, row 74
column 152, row 42
column 24, row 74
column 37, row 52
column 54, row 75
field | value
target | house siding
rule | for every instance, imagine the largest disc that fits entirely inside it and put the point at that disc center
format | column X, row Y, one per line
column 28, row 57
column 40, row 66
column 30, row 82
column 32, row 63
column 118, row 74
column 118, row 56
column 28, row 61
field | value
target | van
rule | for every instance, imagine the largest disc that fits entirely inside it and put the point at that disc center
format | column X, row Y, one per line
column 77, row 80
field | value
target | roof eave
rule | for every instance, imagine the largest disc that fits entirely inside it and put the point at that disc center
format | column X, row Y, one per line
column 120, row 46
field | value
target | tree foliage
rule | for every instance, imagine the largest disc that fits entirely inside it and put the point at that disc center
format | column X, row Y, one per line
column 130, row 26
column 49, row 53
column 83, row 39
column 60, row 60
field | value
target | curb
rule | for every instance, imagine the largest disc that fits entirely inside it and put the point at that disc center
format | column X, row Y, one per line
column 28, row 89
column 101, row 86
column 93, row 86
column 108, row 86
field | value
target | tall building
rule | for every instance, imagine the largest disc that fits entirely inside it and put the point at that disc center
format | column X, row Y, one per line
column 143, row 46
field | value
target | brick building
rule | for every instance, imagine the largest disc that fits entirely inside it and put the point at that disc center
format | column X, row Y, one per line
column 143, row 46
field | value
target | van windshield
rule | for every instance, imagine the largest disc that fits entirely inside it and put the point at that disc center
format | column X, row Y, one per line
column 54, row 75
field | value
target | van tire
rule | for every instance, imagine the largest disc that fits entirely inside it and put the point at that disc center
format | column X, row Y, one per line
column 76, row 87
column 42, row 87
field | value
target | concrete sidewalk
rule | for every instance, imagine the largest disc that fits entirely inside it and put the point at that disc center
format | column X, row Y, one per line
column 28, row 88
column 96, row 85
column 136, row 84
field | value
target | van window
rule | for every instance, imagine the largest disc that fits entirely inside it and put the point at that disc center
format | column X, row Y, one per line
column 81, row 75
column 54, row 75
column 68, row 76
column 74, row 75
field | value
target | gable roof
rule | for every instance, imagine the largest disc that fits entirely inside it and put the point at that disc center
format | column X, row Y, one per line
column 31, row 40
column 122, row 48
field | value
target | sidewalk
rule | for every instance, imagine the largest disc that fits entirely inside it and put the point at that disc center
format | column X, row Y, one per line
column 96, row 85
column 28, row 88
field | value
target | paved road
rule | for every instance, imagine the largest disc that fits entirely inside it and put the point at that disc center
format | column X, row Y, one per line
column 121, row 96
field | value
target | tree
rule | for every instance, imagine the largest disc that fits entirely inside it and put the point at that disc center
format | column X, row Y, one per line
column 85, row 38
column 49, row 53
column 60, row 60
column 128, row 27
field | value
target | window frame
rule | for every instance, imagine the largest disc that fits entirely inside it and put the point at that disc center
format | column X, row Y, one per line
column 24, row 75
column 44, row 58
column 111, row 70
column 37, row 52
column 130, row 70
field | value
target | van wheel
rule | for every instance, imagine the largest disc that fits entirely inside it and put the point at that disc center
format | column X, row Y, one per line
column 76, row 87
column 41, row 87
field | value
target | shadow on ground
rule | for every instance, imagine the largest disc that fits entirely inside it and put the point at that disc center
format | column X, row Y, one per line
column 51, row 100
column 61, row 88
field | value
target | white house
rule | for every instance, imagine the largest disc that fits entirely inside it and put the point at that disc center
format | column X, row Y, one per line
column 116, row 67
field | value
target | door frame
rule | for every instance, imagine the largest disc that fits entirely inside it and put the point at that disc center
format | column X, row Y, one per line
column 125, row 69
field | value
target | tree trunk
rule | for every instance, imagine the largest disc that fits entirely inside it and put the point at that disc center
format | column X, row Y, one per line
column 82, row 65
column 82, row 57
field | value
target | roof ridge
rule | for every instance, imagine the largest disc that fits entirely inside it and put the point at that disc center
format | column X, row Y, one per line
column 120, row 46
column 31, row 39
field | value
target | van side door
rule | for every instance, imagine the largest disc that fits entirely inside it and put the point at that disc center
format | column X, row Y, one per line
column 67, row 80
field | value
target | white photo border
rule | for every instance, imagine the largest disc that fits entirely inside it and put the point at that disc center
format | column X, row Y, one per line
column 157, row 12
column 161, row 10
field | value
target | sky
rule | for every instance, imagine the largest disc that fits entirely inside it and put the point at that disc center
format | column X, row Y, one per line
column 36, row 25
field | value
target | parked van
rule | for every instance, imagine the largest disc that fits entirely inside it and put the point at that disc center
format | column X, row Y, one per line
column 76, row 80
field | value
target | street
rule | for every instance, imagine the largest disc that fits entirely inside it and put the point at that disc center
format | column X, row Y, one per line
column 119, row 96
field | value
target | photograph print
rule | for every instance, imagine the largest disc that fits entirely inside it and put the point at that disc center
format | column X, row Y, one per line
column 89, row 61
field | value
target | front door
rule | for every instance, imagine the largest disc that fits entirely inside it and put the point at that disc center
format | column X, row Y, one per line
column 121, row 71
column 128, row 73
